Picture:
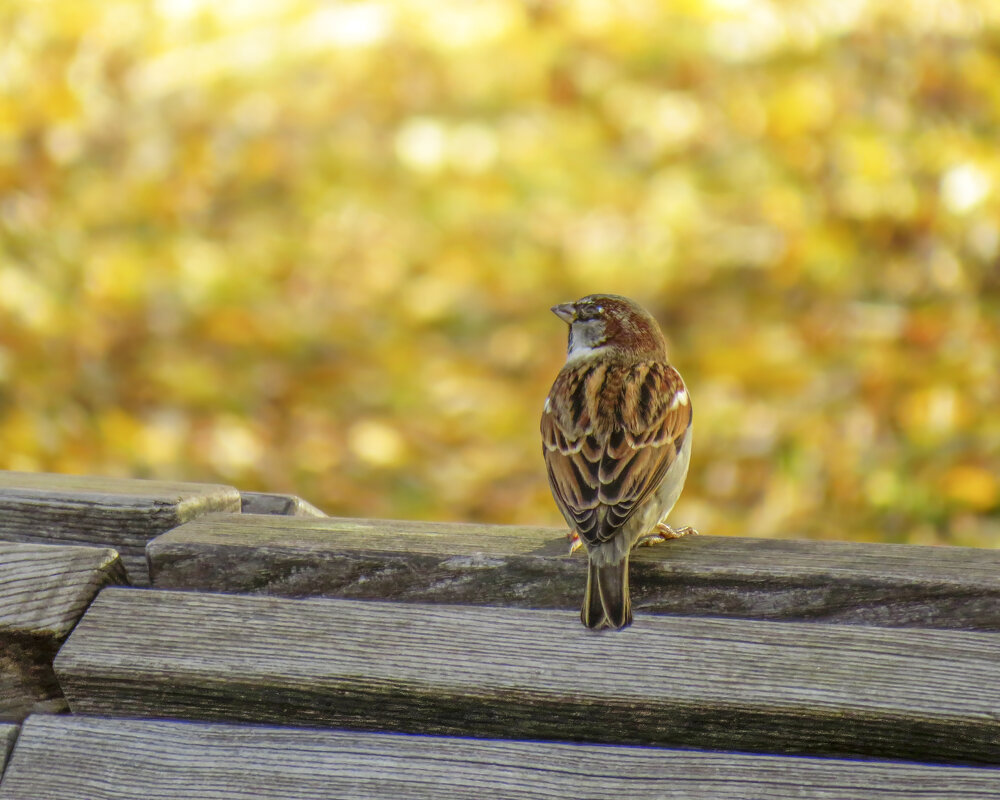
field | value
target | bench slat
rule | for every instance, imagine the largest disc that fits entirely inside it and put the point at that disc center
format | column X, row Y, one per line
column 873, row 584
column 44, row 590
column 281, row 504
column 82, row 758
column 124, row 514
column 672, row 681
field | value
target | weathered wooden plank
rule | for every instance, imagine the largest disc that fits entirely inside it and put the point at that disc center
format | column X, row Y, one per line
column 874, row 584
column 86, row 758
column 44, row 589
column 112, row 512
column 282, row 504
column 8, row 735
column 788, row 688
column 388, row 559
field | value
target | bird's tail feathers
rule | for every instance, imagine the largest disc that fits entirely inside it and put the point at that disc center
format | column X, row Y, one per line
column 606, row 603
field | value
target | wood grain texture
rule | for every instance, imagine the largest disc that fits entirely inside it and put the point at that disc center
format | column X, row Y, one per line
column 527, row 567
column 786, row 688
column 86, row 758
column 44, row 590
column 113, row 512
column 282, row 504
column 8, row 735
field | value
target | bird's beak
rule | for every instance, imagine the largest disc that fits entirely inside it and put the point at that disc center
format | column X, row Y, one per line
column 565, row 311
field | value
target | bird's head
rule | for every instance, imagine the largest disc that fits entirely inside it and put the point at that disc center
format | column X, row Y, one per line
column 609, row 322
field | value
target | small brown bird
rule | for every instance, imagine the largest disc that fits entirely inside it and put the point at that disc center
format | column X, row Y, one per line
column 616, row 436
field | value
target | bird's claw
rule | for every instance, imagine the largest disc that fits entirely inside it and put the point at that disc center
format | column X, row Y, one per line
column 664, row 533
column 574, row 542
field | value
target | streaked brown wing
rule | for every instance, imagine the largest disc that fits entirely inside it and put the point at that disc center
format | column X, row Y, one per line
column 609, row 444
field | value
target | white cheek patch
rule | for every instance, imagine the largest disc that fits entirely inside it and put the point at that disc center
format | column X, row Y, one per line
column 581, row 351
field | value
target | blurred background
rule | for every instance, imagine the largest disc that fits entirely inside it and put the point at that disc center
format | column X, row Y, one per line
column 311, row 247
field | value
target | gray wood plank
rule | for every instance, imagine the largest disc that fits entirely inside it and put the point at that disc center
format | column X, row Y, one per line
column 873, row 584
column 113, row 512
column 86, row 758
column 789, row 688
column 44, row 590
column 281, row 504
column 8, row 735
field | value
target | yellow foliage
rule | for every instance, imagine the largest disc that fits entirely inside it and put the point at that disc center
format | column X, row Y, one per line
column 972, row 487
column 312, row 248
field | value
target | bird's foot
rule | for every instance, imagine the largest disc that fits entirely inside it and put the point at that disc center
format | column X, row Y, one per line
column 664, row 533
column 575, row 542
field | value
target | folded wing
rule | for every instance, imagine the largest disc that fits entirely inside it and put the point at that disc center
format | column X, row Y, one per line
column 609, row 444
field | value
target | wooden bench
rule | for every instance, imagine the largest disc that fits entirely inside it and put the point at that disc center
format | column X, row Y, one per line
column 755, row 669
column 83, row 758
column 44, row 589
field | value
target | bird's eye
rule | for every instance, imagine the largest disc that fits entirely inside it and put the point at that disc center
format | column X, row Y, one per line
column 588, row 313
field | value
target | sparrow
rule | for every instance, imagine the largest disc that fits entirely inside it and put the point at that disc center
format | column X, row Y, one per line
column 616, row 437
